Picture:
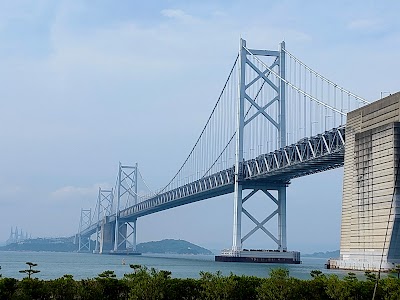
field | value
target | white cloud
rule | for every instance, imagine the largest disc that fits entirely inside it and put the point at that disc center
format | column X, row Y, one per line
column 122, row 49
column 12, row 11
column 219, row 14
column 178, row 15
column 77, row 192
column 10, row 191
column 365, row 24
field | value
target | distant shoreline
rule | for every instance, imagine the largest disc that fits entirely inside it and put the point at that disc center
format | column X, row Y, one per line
column 327, row 254
column 167, row 246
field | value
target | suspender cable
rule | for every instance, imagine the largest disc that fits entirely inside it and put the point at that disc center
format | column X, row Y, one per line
column 326, row 79
column 204, row 128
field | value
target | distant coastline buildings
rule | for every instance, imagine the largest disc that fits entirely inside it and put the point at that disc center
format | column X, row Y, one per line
column 17, row 236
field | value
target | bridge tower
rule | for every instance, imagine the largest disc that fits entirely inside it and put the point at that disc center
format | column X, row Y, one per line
column 85, row 221
column 127, row 189
column 279, row 123
column 104, row 234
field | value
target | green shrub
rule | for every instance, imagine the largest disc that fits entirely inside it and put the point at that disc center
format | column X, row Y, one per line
column 144, row 283
column 8, row 286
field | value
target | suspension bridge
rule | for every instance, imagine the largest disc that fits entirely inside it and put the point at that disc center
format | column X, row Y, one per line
column 276, row 119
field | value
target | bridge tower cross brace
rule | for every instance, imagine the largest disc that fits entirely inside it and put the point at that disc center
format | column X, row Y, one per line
column 104, row 209
column 241, row 122
column 85, row 222
column 127, row 188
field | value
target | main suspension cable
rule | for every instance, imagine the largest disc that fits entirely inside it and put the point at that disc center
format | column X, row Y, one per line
column 204, row 129
column 326, row 79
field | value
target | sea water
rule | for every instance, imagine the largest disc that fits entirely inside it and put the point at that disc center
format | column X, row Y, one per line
column 53, row 265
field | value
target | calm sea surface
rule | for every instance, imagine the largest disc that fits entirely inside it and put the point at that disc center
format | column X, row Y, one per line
column 84, row 265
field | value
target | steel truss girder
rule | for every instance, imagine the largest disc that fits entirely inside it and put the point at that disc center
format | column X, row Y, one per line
column 307, row 156
column 281, row 165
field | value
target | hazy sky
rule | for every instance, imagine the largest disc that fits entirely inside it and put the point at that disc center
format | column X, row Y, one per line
column 87, row 84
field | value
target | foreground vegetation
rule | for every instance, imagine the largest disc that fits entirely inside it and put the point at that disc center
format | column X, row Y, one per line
column 143, row 283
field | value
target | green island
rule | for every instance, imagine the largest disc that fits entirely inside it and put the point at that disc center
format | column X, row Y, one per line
column 167, row 246
column 327, row 254
column 170, row 246
column 144, row 283
column 43, row 244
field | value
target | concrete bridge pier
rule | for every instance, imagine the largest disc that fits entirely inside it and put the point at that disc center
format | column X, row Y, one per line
column 106, row 237
column 370, row 230
column 108, row 242
column 117, row 242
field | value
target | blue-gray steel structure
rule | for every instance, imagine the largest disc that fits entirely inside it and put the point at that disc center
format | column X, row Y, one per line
column 265, row 109
column 310, row 155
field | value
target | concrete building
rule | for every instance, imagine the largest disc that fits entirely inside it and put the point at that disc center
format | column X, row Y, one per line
column 370, row 236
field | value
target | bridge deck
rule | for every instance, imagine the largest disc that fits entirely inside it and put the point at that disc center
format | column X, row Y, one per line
column 308, row 156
